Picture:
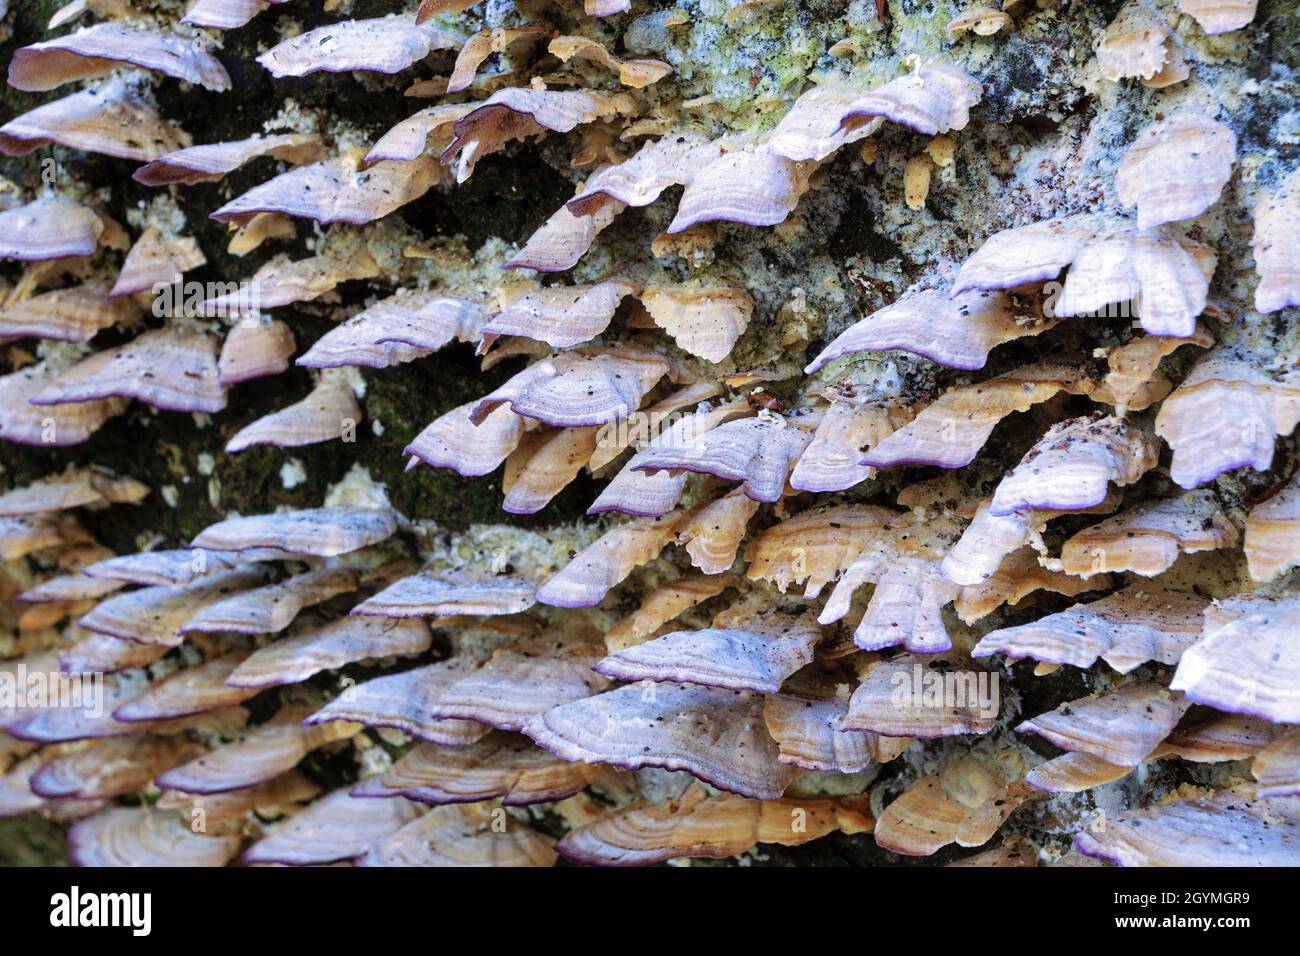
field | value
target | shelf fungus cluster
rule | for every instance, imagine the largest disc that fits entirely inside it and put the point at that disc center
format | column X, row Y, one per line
column 620, row 434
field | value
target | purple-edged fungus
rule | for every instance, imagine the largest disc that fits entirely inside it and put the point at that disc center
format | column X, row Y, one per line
column 519, row 112
column 107, row 655
column 254, row 348
column 664, row 604
column 1219, row 828
column 716, row 735
column 465, row 591
column 225, row 14
column 428, row 129
column 849, row 427
column 543, row 464
column 401, row 702
column 1125, row 629
column 1277, row 767
column 712, row 534
column 585, row 580
column 1019, row 575
column 932, row 99
column 157, row 615
column 1139, row 44
column 383, row 45
column 111, row 118
column 1120, row 727
column 194, row 690
column 518, row 681
column 111, row 768
column 950, row 432
column 1225, row 415
column 212, row 161
column 815, row 546
column 463, row 835
column 403, row 327
column 73, row 489
column 910, row 590
column 284, row 282
column 319, row 532
column 141, row 836
column 564, row 238
column 75, row 314
column 650, row 494
column 329, row 647
column 747, row 184
column 909, row 698
column 1176, row 168
column 561, row 316
column 270, row 609
column 156, row 260
column 173, row 368
column 268, row 800
column 1219, row 738
column 1075, row 772
column 1071, row 467
column 330, row 411
column 759, row 452
column 51, row 227
column 1148, row 538
column 500, row 766
column 69, row 588
column 335, row 827
column 1163, row 271
column 1247, row 660
column 262, row 754
column 482, row 45
column 955, row 331
column 468, row 447
column 336, row 190
column 807, row 727
column 580, row 388
column 699, row 824
column 1134, row 380
column 99, row 49
column 753, row 645
column 965, row 803
column 173, row 568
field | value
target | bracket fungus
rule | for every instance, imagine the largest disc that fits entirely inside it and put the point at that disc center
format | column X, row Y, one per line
column 1125, row 629
column 1225, row 415
column 383, row 45
column 1246, row 658
column 956, row 331
column 822, row 511
column 1148, row 539
column 113, row 119
column 715, row 734
column 1220, row 828
column 96, row 50
column 500, row 766
column 699, row 824
column 211, row 162
column 748, row 647
column 1176, row 168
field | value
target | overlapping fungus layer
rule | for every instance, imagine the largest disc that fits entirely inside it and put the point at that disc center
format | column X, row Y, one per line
column 916, row 389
